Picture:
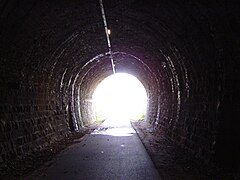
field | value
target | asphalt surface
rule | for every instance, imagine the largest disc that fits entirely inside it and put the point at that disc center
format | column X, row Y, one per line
column 111, row 152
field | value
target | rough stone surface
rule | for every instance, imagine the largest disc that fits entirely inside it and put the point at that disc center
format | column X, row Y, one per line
column 173, row 162
column 53, row 55
column 21, row 167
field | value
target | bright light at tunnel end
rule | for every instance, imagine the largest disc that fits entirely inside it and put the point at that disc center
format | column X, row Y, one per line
column 120, row 97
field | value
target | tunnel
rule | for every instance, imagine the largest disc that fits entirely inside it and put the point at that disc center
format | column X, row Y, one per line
column 53, row 54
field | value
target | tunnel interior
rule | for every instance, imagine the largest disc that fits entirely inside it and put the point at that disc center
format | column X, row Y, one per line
column 54, row 54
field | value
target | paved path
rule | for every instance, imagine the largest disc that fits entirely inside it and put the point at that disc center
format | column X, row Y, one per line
column 113, row 151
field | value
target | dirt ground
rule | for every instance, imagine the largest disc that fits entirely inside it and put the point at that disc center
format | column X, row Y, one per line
column 171, row 161
column 18, row 169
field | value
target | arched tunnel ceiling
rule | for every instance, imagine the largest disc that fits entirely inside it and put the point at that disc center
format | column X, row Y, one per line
column 157, row 33
column 77, row 35
column 52, row 41
column 55, row 53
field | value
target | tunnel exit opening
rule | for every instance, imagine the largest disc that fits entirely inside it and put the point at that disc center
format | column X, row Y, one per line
column 120, row 98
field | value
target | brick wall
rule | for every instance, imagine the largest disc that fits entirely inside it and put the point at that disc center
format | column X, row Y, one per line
column 53, row 55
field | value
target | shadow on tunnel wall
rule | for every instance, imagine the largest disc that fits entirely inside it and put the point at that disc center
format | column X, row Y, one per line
column 227, row 146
